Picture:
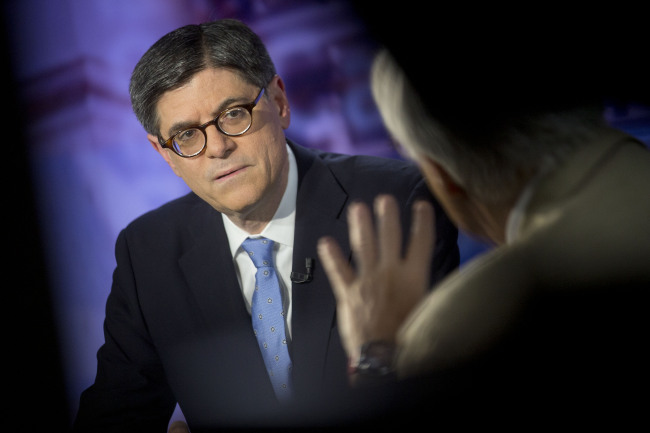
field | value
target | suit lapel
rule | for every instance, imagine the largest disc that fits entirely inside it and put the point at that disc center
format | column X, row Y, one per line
column 209, row 270
column 229, row 344
column 320, row 203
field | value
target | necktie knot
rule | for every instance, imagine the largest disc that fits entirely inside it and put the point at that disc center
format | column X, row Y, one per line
column 260, row 251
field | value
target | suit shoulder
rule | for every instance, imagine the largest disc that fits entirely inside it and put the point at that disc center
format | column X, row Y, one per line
column 167, row 215
column 372, row 167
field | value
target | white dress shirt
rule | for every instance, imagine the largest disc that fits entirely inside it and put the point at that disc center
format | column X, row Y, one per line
column 280, row 230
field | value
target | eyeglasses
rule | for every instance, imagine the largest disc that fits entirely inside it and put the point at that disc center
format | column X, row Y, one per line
column 231, row 122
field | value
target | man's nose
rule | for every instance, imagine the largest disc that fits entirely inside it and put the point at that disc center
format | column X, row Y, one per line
column 218, row 144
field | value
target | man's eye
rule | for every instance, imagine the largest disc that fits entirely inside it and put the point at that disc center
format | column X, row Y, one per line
column 187, row 135
column 234, row 114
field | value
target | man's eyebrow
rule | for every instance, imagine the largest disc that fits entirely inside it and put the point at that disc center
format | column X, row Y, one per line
column 225, row 104
column 178, row 127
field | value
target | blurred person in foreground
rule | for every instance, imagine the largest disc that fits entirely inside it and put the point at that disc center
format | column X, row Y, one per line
column 178, row 318
column 552, row 322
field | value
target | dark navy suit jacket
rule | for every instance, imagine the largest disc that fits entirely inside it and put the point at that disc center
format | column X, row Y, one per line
column 177, row 328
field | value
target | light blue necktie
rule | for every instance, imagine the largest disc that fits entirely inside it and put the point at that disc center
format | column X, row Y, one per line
column 268, row 316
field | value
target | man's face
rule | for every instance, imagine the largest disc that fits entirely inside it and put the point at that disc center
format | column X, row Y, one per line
column 243, row 176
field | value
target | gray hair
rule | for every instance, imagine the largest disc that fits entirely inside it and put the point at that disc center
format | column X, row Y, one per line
column 176, row 57
column 491, row 159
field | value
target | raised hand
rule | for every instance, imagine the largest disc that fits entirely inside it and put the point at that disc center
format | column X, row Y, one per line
column 374, row 299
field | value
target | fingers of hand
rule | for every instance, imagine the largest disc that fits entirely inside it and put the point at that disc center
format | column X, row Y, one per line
column 362, row 237
column 342, row 279
column 389, row 230
column 422, row 236
column 336, row 266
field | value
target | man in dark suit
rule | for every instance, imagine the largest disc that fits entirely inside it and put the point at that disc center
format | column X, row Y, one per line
column 178, row 318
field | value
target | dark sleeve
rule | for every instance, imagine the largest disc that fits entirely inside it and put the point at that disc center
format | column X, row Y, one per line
column 130, row 393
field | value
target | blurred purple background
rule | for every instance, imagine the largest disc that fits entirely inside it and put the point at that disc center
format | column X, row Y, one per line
column 92, row 169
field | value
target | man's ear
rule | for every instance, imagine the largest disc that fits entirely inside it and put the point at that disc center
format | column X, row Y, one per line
column 439, row 176
column 278, row 96
column 153, row 140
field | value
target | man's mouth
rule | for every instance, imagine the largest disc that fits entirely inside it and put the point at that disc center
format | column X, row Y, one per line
column 229, row 173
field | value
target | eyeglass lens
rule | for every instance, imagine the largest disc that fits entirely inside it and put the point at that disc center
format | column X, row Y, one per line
column 235, row 121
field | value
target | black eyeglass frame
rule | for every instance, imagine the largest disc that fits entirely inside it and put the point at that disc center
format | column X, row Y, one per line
column 168, row 144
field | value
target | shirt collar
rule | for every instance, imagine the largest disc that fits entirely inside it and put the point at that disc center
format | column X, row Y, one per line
column 518, row 211
column 281, row 227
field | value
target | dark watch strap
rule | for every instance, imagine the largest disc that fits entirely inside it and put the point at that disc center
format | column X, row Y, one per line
column 377, row 358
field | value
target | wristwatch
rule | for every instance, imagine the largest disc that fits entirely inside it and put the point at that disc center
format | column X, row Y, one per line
column 376, row 358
